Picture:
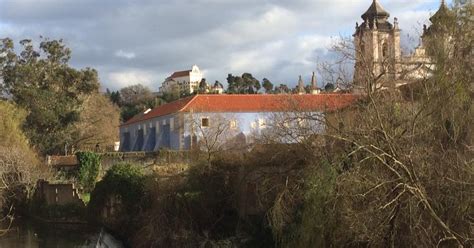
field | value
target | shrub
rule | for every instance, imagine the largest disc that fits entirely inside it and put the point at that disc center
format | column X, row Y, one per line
column 68, row 211
column 123, row 180
column 89, row 166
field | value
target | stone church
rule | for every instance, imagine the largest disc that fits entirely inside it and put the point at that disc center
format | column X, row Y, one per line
column 378, row 54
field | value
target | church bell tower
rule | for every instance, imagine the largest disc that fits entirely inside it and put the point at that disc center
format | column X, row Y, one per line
column 377, row 47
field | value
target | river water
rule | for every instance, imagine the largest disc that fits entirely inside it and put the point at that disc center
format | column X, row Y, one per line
column 28, row 234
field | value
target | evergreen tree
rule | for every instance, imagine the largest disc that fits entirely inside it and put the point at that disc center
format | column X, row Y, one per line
column 42, row 82
column 267, row 85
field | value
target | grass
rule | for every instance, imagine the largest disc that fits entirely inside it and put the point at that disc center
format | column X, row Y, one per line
column 86, row 197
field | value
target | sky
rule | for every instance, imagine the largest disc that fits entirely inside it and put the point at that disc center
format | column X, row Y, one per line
column 144, row 41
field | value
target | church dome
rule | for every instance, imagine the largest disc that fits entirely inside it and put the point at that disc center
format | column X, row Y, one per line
column 442, row 14
column 375, row 11
column 375, row 17
column 440, row 21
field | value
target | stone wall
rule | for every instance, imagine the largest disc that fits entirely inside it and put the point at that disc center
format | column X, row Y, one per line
column 147, row 160
column 58, row 194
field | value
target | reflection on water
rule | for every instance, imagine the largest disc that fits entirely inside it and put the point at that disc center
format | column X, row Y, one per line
column 26, row 234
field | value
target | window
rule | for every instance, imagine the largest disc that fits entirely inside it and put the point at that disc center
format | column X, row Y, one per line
column 172, row 124
column 205, row 122
column 233, row 124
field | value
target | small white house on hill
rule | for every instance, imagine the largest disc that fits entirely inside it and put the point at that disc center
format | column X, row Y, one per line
column 182, row 81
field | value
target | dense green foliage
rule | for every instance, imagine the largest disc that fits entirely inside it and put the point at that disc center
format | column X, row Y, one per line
column 134, row 99
column 267, row 85
column 200, row 203
column 329, row 87
column 42, row 82
column 282, row 88
column 125, row 181
column 11, row 122
column 312, row 226
column 89, row 167
column 245, row 84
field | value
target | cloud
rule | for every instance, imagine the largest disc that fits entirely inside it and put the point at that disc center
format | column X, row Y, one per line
column 127, row 55
column 130, row 77
column 143, row 41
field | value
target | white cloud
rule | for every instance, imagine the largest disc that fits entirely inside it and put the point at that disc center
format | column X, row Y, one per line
column 125, row 78
column 122, row 54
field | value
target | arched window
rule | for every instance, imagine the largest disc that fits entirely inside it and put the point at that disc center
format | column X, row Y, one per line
column 384, row 50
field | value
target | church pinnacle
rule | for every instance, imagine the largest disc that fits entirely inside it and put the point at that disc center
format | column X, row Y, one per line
column 301, row 89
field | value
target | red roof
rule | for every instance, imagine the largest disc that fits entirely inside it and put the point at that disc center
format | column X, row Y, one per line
column 180, row 74
column 250, row 103
column 162, row 110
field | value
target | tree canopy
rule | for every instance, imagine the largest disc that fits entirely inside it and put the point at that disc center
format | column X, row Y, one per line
column 41, row 81
column 245, row 84
column 98, row 123
column 267, row 85
column 134, row 99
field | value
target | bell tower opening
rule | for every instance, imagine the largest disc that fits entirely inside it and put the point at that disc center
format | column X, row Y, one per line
column 384, row 50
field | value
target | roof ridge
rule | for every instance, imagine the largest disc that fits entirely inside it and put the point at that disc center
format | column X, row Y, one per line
column 187, row 104
column 183, row 71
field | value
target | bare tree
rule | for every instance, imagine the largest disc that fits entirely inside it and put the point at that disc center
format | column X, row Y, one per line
column 403, row 155
column 215, row 133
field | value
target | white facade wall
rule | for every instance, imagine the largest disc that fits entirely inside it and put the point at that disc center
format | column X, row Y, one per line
column 187, row 84
column 182, row 131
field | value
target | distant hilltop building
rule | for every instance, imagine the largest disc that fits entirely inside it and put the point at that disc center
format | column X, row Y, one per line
column 378, row 52
column 184, row 82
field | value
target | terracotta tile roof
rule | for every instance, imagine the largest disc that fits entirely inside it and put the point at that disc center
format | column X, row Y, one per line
column 250, row 103
column 162, row 110
column 179, row 74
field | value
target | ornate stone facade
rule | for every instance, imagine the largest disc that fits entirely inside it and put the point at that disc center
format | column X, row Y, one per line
column 377, row 44
column 378, row 53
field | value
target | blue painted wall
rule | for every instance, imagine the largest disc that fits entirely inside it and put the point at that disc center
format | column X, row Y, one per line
column 179, row 131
